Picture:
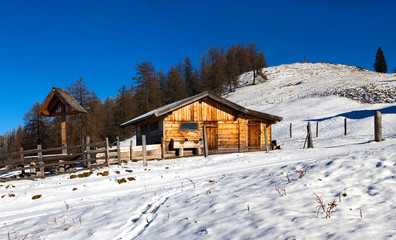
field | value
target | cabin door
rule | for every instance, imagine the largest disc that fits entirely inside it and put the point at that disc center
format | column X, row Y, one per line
column 254, row 135
column 211, row 134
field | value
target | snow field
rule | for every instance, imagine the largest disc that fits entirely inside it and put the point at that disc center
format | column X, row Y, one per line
column 233, row 196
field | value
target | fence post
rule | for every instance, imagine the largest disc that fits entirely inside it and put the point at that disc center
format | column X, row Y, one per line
column 118, row 150
column 82, row 149
column 40, row 160
column 22, row 161
column 377, row 126
column 345, row 126
column 266, row 139
column 162, row 148
column 107, row 153
column 317, row 129
column 144, row 151
column 291, row 134
column 205, row 142
column 88, row 150
column 131, row 151
column 310, row 142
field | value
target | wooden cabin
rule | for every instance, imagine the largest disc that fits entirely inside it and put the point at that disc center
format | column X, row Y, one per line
column 229, row 127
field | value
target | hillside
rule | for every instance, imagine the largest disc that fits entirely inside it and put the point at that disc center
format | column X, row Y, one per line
column 235, row 196
column 301, row 80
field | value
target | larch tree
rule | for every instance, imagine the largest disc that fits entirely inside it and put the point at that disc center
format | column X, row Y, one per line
column 258, row 62
column 380, row 63
column 148, row 91
column 175, row 87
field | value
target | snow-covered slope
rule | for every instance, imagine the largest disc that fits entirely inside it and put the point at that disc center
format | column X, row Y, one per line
column 301, row 80
column 234, row 196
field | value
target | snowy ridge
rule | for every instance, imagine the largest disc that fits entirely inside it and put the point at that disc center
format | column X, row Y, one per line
column 301, row 80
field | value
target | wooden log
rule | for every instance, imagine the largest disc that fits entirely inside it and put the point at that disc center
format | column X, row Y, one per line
column 345, row 126
column 310, row 142
column 290, row 130
column 107, row 153
column 206, row 153
column 377, row 126
column 181, row 152
column 266, row 139
column 162, row 148
column 88, row 152
column 118, row 151
column 131, row 151
column 144, row 150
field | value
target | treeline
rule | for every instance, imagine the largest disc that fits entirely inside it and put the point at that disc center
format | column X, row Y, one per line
column 149, row 89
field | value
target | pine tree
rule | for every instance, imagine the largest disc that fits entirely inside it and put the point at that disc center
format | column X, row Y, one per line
column 380, row 63
column 232, row 68
column 258, row 62
column 175, row 87
column 148, row 91
column 36, row 128
column 84, row 125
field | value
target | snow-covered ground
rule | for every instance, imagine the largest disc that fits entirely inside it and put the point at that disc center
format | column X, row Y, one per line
column 232, row 196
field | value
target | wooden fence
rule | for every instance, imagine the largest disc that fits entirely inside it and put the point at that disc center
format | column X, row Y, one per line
column 39, row 162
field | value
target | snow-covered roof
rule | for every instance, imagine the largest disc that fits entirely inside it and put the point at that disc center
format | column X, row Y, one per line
column 181, row 103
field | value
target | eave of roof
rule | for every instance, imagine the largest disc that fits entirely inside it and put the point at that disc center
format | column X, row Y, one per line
column 173, row 106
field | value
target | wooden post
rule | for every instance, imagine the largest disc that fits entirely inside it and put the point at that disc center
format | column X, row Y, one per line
column 310, row 142
column 118, row 151
column 88, row 152
column 266, row 139
column 82, row 149
column 162, row 148
column 377, row 126
column 40, row 160
column 63, row 128
column 181, row 151
column 144, row 151
column 291, row 134
column 205, row 142
column 131, row 151
column 239, row 136
column 345, row 126
column 107, row 153
column 22, row 157
column 317, row 129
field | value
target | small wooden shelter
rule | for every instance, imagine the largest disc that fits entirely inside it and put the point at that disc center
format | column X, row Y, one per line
column 60, row 103
column 230, row 127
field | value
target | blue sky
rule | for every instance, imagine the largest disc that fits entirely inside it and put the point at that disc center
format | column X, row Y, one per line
column 45, row 44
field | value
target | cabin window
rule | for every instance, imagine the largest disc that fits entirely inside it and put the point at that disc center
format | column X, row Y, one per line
column 188, row 126
column 154, row 127
column 144, row 128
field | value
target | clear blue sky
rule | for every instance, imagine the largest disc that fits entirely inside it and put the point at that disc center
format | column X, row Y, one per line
column 47, row 44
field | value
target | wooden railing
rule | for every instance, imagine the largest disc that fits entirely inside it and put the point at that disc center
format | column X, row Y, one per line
column 35, row 163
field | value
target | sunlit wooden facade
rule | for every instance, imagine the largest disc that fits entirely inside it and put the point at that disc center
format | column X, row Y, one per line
column 230, row 127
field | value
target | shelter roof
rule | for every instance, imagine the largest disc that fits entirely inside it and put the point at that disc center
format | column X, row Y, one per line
column 181, row 103
column 52, row 104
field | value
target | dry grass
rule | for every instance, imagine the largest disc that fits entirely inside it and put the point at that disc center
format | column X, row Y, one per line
column 281, row 190
column 122, row 180
column 36, row 196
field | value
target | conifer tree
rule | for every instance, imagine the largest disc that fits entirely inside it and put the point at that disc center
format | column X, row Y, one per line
column 175, row 87
column 148, row 91
column 35, row 127
column 380, row 63
column 232, row 68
